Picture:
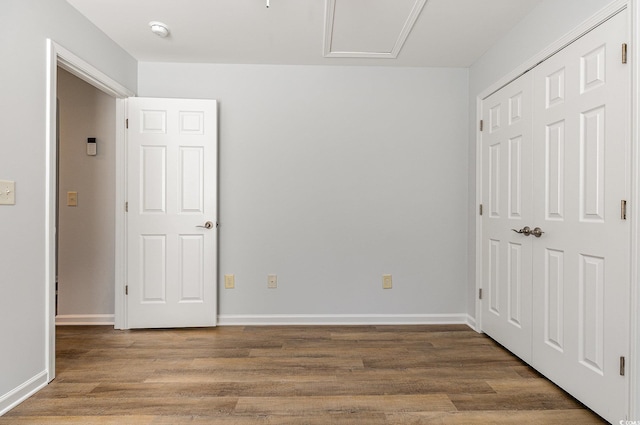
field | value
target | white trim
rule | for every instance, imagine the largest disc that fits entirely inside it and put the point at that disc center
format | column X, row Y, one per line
column 341, row 319
column 478, row 259
column 330, row 9
column 471, row 322
column 16, row 396
column 580, row 30
column 634, row 354
column 120, row 302
column 59, row 56
column 84, row 319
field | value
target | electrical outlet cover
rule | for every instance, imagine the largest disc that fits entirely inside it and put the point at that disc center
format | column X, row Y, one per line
column 7, row 192
column 387, row 282
column 272, row 281
column 229, row 281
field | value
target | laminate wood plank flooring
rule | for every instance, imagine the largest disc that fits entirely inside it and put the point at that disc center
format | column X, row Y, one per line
column 293, row 375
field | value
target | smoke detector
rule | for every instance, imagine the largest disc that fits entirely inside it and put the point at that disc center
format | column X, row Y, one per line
column 159, row 29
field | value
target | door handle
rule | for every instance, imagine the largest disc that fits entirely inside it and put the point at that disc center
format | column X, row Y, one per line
column 537, row 232
column 526, row 230
column 207, row 225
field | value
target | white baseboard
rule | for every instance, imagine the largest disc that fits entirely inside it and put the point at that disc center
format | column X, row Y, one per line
column 16, row 396
column 471, row 321
column 341, row 319
column 85, row 319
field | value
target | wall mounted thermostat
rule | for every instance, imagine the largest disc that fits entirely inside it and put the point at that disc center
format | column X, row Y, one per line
column 92, row 146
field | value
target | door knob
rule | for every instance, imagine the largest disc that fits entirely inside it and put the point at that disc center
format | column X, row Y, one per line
column 207, row 225
column 537, row 232
column 526, row 230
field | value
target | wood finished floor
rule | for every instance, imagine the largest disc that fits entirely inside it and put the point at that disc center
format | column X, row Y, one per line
column 293, row 376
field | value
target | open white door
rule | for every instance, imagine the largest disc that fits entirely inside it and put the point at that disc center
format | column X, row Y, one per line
column 171, row 218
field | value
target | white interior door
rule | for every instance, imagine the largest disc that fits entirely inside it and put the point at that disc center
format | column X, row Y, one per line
column 581, row 263
column 507, row 183
column 171, row 218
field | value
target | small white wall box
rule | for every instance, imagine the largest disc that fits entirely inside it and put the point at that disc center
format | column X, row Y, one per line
column 92, row 146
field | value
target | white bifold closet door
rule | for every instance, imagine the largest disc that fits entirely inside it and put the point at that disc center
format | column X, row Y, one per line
column 561, row 301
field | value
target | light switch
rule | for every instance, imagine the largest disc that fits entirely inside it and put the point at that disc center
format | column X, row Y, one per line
column 7, row 192
column 72, row 199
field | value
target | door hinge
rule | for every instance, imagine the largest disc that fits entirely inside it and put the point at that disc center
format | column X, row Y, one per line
column 126, row 207
column 480, row 293
column 622, row 365
column 623, row 209
column 481, row 125
column 126, row 123
column 624, row 52
column 126, row 289
column 480, row 209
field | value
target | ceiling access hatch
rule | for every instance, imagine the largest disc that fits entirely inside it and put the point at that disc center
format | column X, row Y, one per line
column 368, row 28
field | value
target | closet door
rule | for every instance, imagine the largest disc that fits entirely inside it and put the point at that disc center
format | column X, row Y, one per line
column 581, row 263
column 507, row 185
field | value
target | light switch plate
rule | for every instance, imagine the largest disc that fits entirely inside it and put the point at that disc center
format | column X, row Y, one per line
column 7, row 192
column 72, row 199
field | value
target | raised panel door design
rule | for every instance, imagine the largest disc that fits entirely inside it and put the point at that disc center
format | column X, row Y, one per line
column 153, row 259
column 153, row 172
column 591, row 290
column 592, row 151
column 191, row 268
column 592, row 69
column 555, row 171
column 495, row 182
column 153, row 122
column 191, row 176
column 554, row 299
column 191, row 122
column 515, row 177
column 514, row 272
column 494, row 273
column 515, row 108
column 494, row 118
column 555, row 88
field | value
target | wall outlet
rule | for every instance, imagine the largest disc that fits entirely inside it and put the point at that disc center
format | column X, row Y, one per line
column 272, row 281
column 229, row 281
column 7, row 192
column 387, row 282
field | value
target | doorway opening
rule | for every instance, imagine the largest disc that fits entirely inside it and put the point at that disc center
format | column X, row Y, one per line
column 59, row 57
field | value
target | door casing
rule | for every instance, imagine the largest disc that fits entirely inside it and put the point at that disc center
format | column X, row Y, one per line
column 57, row 55
column 594, row 21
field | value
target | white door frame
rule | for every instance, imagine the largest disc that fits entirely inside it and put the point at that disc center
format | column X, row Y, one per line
column 589, row 24
column 59, row 56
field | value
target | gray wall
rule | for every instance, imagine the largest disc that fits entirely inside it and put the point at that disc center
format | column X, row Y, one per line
column 86, row 233
column 332, row 176
column 24, row 27
column 548, row 22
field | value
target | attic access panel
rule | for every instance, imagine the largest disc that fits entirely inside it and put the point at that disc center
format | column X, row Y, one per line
column 368, row 28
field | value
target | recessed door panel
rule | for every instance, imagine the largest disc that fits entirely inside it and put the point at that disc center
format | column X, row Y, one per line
column 555, row 171
column 592, row 188
column 591, row 312
column 153, row 260
column 153, row 170
column 191, row 178
column 554, row 299
column 191, row 266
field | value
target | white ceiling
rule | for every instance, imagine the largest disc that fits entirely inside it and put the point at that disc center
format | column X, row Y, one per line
column 447, row 33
